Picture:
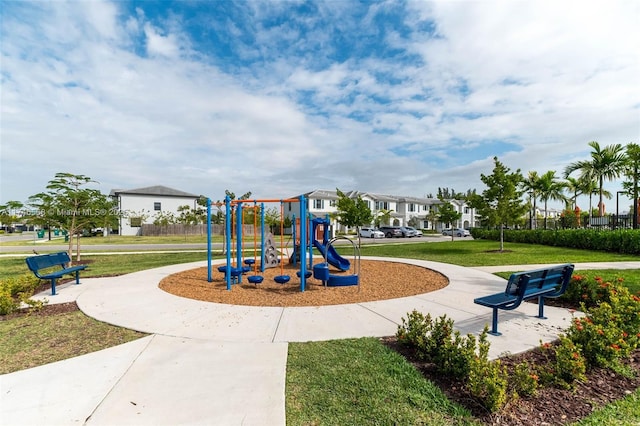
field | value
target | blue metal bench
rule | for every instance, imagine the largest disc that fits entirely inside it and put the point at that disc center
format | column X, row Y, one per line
column 46, row 262
column 541, row 283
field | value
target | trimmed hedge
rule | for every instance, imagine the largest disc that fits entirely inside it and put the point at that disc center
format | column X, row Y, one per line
column 625, row 241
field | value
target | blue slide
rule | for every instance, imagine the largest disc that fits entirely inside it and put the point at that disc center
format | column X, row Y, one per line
column 333, row 257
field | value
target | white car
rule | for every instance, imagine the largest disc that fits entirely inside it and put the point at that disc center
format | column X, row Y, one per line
column 368, row 232
column 458, row 232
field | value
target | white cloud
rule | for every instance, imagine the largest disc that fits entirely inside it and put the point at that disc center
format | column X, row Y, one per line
column 130, row 101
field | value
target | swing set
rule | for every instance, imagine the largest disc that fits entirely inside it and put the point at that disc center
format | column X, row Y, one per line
column 233, row 274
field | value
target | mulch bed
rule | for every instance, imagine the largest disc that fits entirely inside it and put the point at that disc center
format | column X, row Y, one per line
column 551, row 406
column 378, row 281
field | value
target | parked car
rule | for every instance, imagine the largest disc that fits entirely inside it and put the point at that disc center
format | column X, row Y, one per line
column 391, row 231
column 418, row 232
column 458, row 232
column 368, row 232
column 408, row 231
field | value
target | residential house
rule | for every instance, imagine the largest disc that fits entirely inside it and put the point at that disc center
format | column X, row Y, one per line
column 143, row 205
column 419, row 211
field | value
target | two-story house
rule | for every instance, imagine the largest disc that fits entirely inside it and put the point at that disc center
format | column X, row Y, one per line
column 396, row 210
column 143, row 205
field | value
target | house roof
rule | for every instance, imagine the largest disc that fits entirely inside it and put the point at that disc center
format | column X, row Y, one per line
column 382, row 197
column 323, row 194
column 417, row 200
column 159, row 190
column 333, row 195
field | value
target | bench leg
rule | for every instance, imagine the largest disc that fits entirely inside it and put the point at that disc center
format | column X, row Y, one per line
column 541, row 308
column 77, row 277
column 494, row 323
column 53, row 286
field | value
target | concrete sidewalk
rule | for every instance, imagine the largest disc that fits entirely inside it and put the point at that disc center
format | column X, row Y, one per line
column 210, row 363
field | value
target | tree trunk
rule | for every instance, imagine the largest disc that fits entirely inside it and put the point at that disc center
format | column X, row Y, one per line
column 545, row 214
column 78, row 247
column 601, row 203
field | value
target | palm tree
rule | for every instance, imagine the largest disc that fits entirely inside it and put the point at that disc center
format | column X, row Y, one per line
column 576, row 186
column 383, row 216
column 591, row 188
column 606, row 164
column 632, row 173
column 530, row 185
column 549, row 188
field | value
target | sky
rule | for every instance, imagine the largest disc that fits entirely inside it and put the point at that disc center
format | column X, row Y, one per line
column 284, row 97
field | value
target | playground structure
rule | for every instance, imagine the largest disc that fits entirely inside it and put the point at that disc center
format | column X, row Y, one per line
column 321, row 270
column 268, row 252
column 305, row 236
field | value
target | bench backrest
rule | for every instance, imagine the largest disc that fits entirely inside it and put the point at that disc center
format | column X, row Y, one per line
column 554, row 280
column 43, row 261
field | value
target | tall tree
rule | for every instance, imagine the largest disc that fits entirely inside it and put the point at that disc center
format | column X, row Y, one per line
column 447, row 213
column 530, row 184
column 605, row 164
column 550, row 188
column 69, row 204
column 352, row 212
column 581, row 186
column 632, row 173
column 501, row 203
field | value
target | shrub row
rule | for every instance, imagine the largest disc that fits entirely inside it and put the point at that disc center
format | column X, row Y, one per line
column 17, row 290
column 626, row 241
column 463, row 357
column 608, row 333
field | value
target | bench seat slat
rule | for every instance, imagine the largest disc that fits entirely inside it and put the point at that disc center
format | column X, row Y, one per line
column 496, row 300
column 59, row 274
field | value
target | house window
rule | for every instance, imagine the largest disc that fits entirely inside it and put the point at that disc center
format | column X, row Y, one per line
column 157, row 206
column 380, row 205
column 412, row 207
column 466, row 210
column 318, row 204
column 332, row 203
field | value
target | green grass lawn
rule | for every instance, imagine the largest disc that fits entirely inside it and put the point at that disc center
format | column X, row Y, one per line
column 110, row 264
column 484, row 253
column 35, row 340
column 361, row 382
column 346, row 382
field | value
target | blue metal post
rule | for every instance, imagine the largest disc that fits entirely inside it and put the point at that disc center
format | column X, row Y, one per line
column 303, row 243
column 311, row 232
column 227, row 225
column 239, row 240
column 262, row 237
column 209, row 275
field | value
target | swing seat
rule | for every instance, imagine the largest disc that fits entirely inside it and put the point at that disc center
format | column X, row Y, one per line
column 249, row 261
column 282, row 279
column 307, row 274
column 246, row 269
column 234, row 271
column 256, row 279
